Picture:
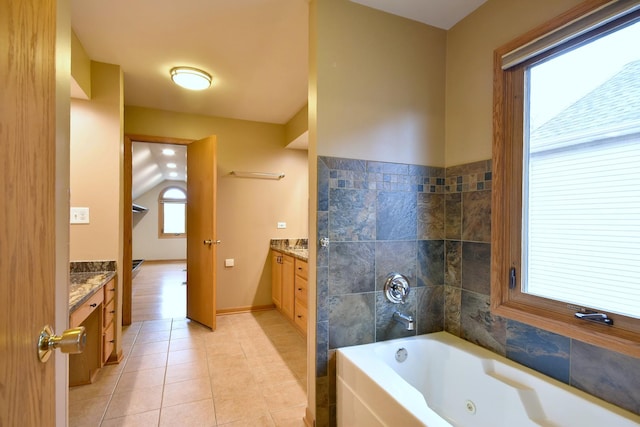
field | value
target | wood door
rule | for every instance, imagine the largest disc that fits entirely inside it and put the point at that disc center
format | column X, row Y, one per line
column 201, row 231
column 27, row 215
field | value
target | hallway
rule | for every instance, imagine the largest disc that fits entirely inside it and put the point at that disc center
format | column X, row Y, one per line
column 250, row 372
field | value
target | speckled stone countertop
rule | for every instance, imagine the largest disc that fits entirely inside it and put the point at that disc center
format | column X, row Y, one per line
column 86, row 279
column 297, row 248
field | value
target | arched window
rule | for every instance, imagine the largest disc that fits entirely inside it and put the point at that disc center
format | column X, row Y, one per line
column 172, row 203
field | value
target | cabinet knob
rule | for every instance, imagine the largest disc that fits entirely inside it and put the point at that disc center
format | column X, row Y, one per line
column 94, row 305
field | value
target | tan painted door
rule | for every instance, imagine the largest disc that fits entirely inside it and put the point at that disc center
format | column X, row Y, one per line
column 27, row 212
column 201, row 231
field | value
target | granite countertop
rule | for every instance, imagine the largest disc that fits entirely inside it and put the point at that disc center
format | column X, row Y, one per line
column 85, row 284
column 296, row 248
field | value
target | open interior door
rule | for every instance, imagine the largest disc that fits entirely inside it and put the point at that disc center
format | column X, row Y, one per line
column 28, row 213
column 201, row 231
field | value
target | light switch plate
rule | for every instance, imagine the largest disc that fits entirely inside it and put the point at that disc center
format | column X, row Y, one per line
column 229, row 262
column 282, row 225
column 79, row 215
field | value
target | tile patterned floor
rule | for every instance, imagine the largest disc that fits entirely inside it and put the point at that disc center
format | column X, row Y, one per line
column 250, row 372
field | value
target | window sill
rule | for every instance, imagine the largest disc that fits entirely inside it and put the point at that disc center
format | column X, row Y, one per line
column 617, row 340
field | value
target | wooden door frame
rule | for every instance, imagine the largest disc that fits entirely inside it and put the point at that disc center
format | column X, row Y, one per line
column 127, row 253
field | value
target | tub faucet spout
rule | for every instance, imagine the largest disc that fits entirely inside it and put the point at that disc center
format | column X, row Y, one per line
column 404, row 319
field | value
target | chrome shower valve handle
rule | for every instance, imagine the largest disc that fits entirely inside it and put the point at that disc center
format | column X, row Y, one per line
column 396, row 288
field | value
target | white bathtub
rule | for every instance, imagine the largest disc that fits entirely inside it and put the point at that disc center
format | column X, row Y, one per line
column 446, row 381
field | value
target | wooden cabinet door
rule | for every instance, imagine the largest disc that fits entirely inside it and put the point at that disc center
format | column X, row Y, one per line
column 288, row 274
column 276, row 279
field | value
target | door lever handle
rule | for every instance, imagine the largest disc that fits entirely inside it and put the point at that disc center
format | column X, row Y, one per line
column 211, row 242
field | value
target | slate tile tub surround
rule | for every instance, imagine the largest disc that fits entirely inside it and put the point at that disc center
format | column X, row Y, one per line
column 433, row 225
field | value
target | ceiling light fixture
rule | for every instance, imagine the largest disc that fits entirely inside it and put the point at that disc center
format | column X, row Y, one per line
column 168, row 152
column 171, row 165
column 190, row 78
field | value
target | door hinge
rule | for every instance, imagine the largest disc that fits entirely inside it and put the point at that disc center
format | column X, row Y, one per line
column 512, row 278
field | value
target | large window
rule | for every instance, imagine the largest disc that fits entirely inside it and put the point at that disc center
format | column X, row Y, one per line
column 566, row 212
column 172, row 207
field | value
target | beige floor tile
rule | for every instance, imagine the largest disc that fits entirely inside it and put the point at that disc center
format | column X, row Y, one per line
column 261, row 421
column 152, row 336
column 191, row 331
column 178, row 344
column 186, row 391
column 140, row 379
column 231, row 410
column 284, row 395
column 156, row 325
column 145, row 419
column 87, row 412
column 227, row 365
column 134, row 401
column 148, row 361
column 291, row 417
column 191, row 355
column 142, row 349
column 240, row 385
column 193, row 414
column 232, row 348
column 104, row 384
column 272, row 374
column 186, row 371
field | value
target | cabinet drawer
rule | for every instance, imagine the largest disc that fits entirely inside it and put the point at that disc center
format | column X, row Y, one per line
column 300, row 317
column 107, row 342
column 82, row 312
column 301, row 290
column 109, row 290
column 301, row 268
column 109, row 312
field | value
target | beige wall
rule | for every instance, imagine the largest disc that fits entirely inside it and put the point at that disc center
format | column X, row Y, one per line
column 296, row 126
column 96, row 146
column 470, row 46
column 80, row 68
column 381, row 81
column 146, row 243
column 248, row 209
column 96, row 172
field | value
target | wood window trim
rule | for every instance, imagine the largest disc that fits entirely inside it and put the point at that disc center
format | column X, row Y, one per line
column 161, row 201
column 507, row 163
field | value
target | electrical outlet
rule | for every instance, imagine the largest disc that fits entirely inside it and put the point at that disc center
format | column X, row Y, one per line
column 282, row 225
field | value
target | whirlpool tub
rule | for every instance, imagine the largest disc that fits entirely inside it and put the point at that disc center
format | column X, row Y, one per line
column 441, row 380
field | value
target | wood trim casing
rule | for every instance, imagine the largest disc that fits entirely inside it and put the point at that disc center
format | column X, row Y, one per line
column 505, row 226
column 127, row 255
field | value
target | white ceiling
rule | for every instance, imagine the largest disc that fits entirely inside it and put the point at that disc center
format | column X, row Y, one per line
column 438, row 13
column 256, row 50
column 150, row 168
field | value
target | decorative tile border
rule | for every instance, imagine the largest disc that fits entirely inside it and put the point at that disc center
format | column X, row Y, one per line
column 369, row 175
column 469, row 177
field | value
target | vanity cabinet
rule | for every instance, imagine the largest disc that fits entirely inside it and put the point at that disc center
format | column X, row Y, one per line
column 97, row 315
column 300, row 296
column 289, row 287
column 276, row 279
column 108, row 324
